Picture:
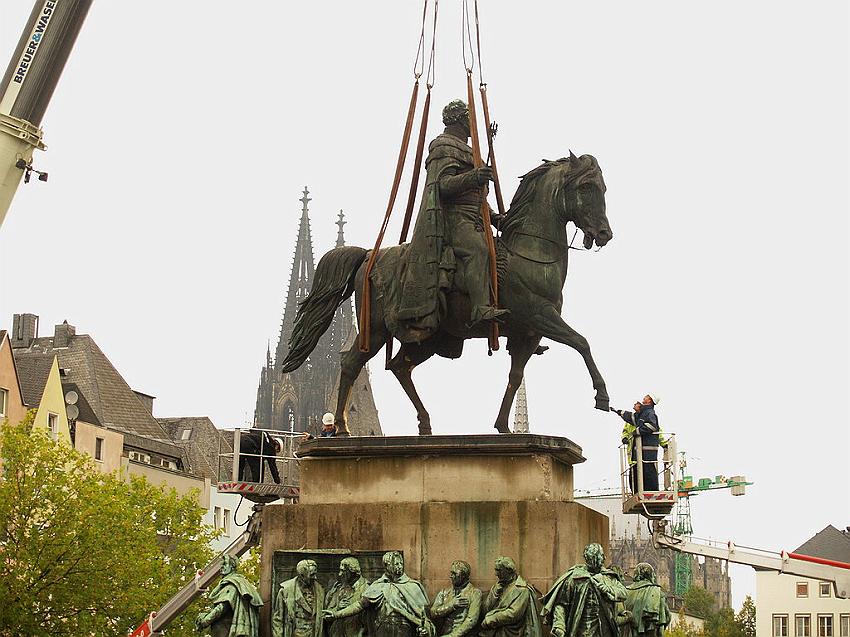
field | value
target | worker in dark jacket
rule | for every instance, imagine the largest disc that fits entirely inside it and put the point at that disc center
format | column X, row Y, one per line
column 644, row 422
column 255, row 449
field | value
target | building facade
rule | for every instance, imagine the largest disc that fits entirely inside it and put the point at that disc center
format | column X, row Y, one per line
column 42, row 387
column 107, row 419
column 792, row 606
column 296, row 401
column 12, row 407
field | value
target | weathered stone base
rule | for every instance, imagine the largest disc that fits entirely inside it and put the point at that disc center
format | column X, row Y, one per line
column 436, row 499
column 543, row 537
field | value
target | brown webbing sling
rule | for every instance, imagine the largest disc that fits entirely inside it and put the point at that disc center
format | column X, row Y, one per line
column 366, row 302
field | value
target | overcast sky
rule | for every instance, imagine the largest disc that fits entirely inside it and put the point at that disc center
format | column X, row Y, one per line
column 181, row 135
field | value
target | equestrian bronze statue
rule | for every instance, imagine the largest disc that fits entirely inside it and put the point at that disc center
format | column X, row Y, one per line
column 420, row 292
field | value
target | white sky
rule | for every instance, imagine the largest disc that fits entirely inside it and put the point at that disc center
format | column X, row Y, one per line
column 182, row 134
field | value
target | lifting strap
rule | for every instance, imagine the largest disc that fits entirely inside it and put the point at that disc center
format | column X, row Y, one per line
column 366, row 305
column 418, row 67
column 423, row 128
column 493, row 338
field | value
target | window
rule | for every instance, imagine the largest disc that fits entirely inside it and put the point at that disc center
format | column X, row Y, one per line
column 139, row 457
column 168, row 464
column 226, row 522
column 825, row 589
column 98, row 449
column 802, row 625
column 53, row 425
column 780, row 626
column 844, row 626
column 217, row 521
column 802, row 589
column 4, row 398
column 186, row 434
column 824, row 625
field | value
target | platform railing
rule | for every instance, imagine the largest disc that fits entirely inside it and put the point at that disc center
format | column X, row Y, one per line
column 245, row 470
column 636, row 499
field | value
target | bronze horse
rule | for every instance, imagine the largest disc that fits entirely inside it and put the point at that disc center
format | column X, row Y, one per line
column 532, row 264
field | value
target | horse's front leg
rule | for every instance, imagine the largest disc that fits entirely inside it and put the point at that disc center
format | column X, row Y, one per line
column 521, row 350
column 550, row 324
column 409, row 356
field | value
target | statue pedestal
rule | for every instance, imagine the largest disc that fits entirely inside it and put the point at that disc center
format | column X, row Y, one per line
column 436, row 499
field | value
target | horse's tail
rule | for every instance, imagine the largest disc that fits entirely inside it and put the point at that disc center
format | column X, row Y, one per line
column 333, row 284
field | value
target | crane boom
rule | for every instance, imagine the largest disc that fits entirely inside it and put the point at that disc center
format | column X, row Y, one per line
column 838, row 573
column 159, row 620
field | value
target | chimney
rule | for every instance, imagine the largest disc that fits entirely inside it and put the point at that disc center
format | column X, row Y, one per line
column 24, row 330
column 62, row 334
column 146, row 400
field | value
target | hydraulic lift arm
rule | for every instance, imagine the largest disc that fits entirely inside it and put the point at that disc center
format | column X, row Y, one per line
column 159, row 620
column 838, row 573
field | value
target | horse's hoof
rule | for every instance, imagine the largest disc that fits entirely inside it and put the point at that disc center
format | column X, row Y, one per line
column 425, row 431
column 502, row 429
column 343, row 434
column 602, row 404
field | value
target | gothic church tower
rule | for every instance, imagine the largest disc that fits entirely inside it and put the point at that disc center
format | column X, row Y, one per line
column 296, row 401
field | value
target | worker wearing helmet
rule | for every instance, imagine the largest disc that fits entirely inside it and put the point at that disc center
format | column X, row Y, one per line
column 448, row 237
column 328, row 429
column 643, row 423
column 256, row 449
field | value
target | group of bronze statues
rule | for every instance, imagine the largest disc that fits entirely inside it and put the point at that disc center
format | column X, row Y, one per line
column 588, row 600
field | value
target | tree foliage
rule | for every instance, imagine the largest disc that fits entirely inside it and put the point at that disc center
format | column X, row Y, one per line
column 746, row 617
column 699, row 602
column 87, row 553
column 721, row 622
column 683, row 628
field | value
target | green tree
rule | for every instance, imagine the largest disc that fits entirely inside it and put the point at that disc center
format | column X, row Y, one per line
column 699, row 602
column 87, row 553
column 723, row 624
column 683, row 628
column 249, row 565
column 746, row 617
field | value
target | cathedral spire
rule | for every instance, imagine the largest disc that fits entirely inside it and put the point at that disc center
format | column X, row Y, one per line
column 340, row 237
column 300, row 279
column 521, row 411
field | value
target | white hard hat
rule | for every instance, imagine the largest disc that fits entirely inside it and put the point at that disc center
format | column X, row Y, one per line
column 328, row 419
column 278, row 442
column 655, row 398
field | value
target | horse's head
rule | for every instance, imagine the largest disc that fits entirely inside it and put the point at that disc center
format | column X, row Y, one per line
column 584, row 200
column 569, row 189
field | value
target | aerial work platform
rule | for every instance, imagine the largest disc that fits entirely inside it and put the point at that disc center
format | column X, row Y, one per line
column 654, row 505
column 263, row 465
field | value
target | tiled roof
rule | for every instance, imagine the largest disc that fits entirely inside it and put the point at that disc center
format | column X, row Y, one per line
column 33, row 370
column 830, row 544
column 202, row 444
column 109, row 397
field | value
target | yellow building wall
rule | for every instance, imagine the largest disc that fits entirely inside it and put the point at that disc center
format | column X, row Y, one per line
column 182, row 483
column 53, row 402
column 85, row 440
column 15, row 409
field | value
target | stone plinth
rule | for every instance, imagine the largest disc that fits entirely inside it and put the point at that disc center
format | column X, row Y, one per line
column 438, row 469
column 438, row 499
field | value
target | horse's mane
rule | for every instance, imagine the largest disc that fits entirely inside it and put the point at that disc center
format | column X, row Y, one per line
column 572, row 170
column 527, row 192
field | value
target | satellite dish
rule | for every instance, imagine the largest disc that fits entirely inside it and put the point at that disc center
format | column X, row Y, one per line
column 71, row 398
column 73, row 411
